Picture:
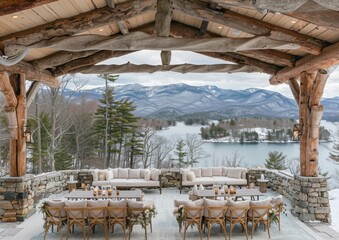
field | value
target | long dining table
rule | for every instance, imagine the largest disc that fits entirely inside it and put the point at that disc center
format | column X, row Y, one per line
column 240, row 193
column 116, row 194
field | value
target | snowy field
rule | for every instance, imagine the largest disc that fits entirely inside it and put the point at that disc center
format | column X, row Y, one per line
column 334, row 202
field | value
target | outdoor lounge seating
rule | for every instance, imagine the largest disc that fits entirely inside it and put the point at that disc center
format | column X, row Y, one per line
column 213, row 175
column 128, row 178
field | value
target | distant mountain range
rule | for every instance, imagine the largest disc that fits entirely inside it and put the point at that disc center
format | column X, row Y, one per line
column 181, row 99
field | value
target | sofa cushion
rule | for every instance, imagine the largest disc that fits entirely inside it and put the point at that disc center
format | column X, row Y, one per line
column 225, row 171
column 134, row 173
column 101, row 175
column 123, row 173
column 97, row 203
column 155, row 174
column 206, row 172
column 95, row 175
column 109, row 175
column 234, row 173
column 115, row 172
column 217, row 171
column 213, row 203
column 243, row 173
column 190, row 176
column 101, row 183
column 147, row 175
column 198, row 181
column 141, row 183
column 229, row 181
column 58, row 204
column 197, row 172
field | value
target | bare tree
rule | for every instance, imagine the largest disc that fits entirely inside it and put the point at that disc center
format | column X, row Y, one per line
column 194, row 150
column 148, row 146
column 293, row 166
column 235, row 160
column 57, row 102
column 162, row 150
column 4, row 138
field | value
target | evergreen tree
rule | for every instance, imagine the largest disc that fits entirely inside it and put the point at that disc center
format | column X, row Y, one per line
column 134, row 147
column 276, row 160
column 334, row 154
column 180, row 153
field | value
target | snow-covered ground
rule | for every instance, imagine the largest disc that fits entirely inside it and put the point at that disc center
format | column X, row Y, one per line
column 334, row 203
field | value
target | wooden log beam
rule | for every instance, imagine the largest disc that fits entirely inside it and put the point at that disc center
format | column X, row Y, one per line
column 13, row 6
column 163, row 18
column 240, row 59
column 59, row 58
column 275, row 57
column 7, row 90
column 141, row 41
column 318, row 87
column 31, row 93
column 295, row 89
column 183, row 68
column 77, row 24
column 44, row 77
column 249, row 25
column 328, row 58
column 88, row 61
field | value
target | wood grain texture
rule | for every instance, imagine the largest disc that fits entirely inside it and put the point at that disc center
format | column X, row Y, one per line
column 183, row 68
column 13, row 6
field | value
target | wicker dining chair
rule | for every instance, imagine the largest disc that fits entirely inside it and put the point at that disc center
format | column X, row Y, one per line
column 117, row 215
column 96, row 216
column 193, row 216
column 259, row 214
column 54, row 216
column 75, row 216
column 216, row 215
column 237, row 215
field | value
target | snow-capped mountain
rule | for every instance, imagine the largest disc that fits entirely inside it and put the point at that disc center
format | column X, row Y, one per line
column 185, row 99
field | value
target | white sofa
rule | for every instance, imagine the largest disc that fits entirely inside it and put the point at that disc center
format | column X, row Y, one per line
column 127, row 178
column 213, row 175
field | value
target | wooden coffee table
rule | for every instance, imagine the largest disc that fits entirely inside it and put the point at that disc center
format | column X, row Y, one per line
column 128, row 194
column 239, row 194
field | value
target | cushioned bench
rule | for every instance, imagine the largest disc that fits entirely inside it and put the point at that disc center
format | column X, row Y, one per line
column 127, row 178
column 213, row 175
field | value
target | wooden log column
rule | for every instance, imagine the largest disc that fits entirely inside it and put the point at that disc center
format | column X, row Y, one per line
column 310, row 114
column 14, row 88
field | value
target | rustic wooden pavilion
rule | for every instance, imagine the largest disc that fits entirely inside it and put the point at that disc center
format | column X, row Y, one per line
column 296, row 42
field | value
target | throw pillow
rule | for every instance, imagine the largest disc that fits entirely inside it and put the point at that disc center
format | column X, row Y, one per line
column 197, row 172
column 142, row 173
column 190, row 176
column 101, row 175
column 184, row 172
column 134, row 173
column 123, row 173
column 147, row 174
column 109, row 174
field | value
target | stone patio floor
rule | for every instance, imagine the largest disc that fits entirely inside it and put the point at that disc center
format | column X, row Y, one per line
column 166, row 227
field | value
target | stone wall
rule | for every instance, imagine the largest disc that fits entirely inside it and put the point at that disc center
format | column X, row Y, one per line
column 308, row 195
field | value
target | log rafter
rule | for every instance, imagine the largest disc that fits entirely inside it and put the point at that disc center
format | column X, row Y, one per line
column 32, row 74
column 143, row 41
column 328, row 58
column 73, row 25
column 182, row 68
column 248, row 24
column 88, row 61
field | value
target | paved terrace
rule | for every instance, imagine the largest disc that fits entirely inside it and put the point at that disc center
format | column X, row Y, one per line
column 166, row 227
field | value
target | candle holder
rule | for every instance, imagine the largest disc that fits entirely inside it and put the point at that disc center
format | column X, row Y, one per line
column 95, row 192
column 109, row 192
column 118, row 192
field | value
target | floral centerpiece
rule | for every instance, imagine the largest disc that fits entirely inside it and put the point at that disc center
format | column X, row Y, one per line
column 143, row 218
column 273, row 213
column 178, row 213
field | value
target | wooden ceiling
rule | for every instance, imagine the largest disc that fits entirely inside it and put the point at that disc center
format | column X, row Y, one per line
column 55, row 37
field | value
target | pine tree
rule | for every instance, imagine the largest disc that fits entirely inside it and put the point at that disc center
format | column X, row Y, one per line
column 276, row 160
column 180, row 153
column 134, row 147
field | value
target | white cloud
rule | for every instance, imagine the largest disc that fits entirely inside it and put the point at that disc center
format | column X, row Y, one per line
column 236, row 81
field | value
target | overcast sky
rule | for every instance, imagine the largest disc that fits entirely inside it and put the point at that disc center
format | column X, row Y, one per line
column 234, row 81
